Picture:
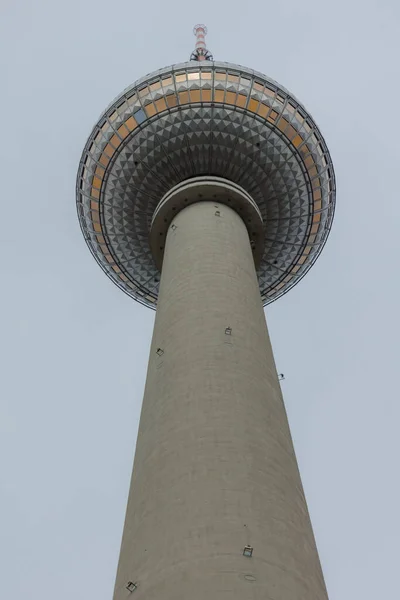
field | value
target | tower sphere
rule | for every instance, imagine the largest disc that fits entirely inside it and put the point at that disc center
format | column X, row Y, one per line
column 205, row 119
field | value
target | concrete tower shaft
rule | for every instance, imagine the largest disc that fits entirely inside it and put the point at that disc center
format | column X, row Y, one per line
column 215, row 470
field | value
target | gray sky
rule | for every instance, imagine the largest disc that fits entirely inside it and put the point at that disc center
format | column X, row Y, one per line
column 74, row 348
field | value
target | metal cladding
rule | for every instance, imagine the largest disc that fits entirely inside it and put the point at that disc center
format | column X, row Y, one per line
column 195, row 119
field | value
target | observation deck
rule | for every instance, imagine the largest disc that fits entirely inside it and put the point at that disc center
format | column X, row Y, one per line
column 199, row 119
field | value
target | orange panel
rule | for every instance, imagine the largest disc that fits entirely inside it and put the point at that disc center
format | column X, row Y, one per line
column 297, row 141
column 317, row 194
column 161, row 105
column 314, row 228
column 220, row 76
column 122, row 131
column 263, row 110
column 104, row 160
column 131, row 124
column 241, row 100
column 290, row 132
column 206, row 74
column 195, row 96
column 167, row 81
column 302, row 260
column 253, row 105
column 95, row 193
column 313, row 171
column 150, row 110
column 316, row 183
column 309, row 162
column 183, row 97
column 99, row 172
column 282, row 124
column 258, row 86
column 94, row 205
column 96, row 182
column 317, row 218
column 109, row 150
column 318, row 205
column 97, row 227
column 171, row 100
column 206, row 95
column 230, row 98
column 100, row 239
column 219, row 95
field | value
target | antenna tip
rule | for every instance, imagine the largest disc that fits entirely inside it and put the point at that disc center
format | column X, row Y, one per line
column 196, row 28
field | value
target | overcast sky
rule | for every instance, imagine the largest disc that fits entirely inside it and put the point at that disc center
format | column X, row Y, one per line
column 74, row 348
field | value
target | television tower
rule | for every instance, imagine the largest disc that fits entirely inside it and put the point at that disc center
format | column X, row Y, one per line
column 206, row 191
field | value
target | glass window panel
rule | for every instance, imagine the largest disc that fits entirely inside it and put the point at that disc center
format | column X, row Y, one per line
column 230, row 97
column 143, row 92
column 270, row 93
column 297, row 140
column 316, row 183
column 317, row 218
column 195, row 96
column 312, row 172
column 314, row 228
column 253, row 105
column 113, row 116
column 309, row 162
column 318, row 204
column 109, row 150
column 167, row 81
column 290, row 132
column 206, row 95
column 245, row 81
column 150, row 110
column 139, row 116
column 220, row 76
column 115, row 141
column 100, row 239
column 180, row 78
column 96, row 182
column 241, row 100
column 104, row 160
column 282, row 124
column 171, row 100
column 155, row 86
column 99, row 171
column 183, row 97
column 95, row 193
column 258, row 86
column 160, row 105
column 97, row 227
column 317, row 195
column 131, row 124
column 219, row 95
column 206, row 75
column 290, row 107
column 263, row 110
column 122, row 131
column 234, row 78
column 193, row 76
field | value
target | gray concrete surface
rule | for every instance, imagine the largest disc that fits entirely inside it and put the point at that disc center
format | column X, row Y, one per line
column 215, row 468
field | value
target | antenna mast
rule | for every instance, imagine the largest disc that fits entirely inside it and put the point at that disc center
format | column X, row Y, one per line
column 200, row 52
